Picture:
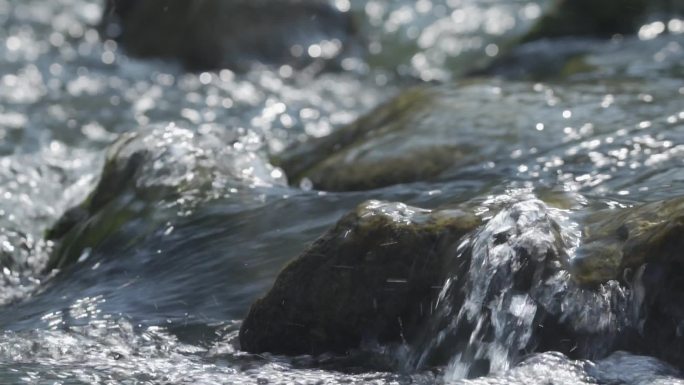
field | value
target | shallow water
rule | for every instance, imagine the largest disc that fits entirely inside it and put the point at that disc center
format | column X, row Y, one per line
column 162, row 299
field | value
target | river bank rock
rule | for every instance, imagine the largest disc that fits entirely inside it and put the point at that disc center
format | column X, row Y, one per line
column 210, row 34
column 373, row 277
column 151, row 175
column 602, row 18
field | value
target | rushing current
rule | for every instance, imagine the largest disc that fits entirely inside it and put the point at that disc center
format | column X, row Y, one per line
column 161, row 299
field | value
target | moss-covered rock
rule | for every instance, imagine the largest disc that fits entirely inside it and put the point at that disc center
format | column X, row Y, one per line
column 421, row 135
column 149, row 176
column 508, row 287
column 413, row 137
column 620, row 239
column 380, row 149
column 206, row 34
column 374, row 276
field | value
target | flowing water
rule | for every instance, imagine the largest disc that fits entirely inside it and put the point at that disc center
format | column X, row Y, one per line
column 160, row 300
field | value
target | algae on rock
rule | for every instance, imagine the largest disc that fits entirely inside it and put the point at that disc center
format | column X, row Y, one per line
column 373, row 277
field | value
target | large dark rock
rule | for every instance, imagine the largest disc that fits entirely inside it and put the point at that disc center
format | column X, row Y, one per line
column 373, row 277
column 601, row 18
column 512, row 286
column 207, row 34
column 553, row 368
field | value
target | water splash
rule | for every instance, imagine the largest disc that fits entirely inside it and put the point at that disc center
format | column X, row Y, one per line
column 515, row 285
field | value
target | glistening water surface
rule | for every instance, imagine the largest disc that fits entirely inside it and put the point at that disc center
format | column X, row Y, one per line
column 159, row 299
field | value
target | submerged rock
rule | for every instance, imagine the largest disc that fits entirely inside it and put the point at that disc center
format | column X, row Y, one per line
column 592, row 58
column 149, row 175
column 373, row 277
column 417, row 136
column 207, row 34
column 380, row 149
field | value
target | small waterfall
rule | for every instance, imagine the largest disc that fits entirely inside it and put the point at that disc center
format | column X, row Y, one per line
column 495, row 310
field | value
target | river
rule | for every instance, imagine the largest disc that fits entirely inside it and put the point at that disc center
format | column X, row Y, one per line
column 160, row 299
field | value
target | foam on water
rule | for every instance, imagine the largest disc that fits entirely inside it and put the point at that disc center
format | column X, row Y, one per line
column 516, row 277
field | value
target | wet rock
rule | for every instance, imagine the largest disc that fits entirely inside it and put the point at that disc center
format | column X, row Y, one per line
column 624, row 239
column 640, row 247
column 519, row 296
column 208, row 34
column 602, row 18
column 377, row 150
column 150, row 175
column 592, row 58
column 373, row 277
column 506, row 301
column 414, row 137
column 420, row 135
column 503, row 129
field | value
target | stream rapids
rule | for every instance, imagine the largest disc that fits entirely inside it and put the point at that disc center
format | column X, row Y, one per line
column 161, row 300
